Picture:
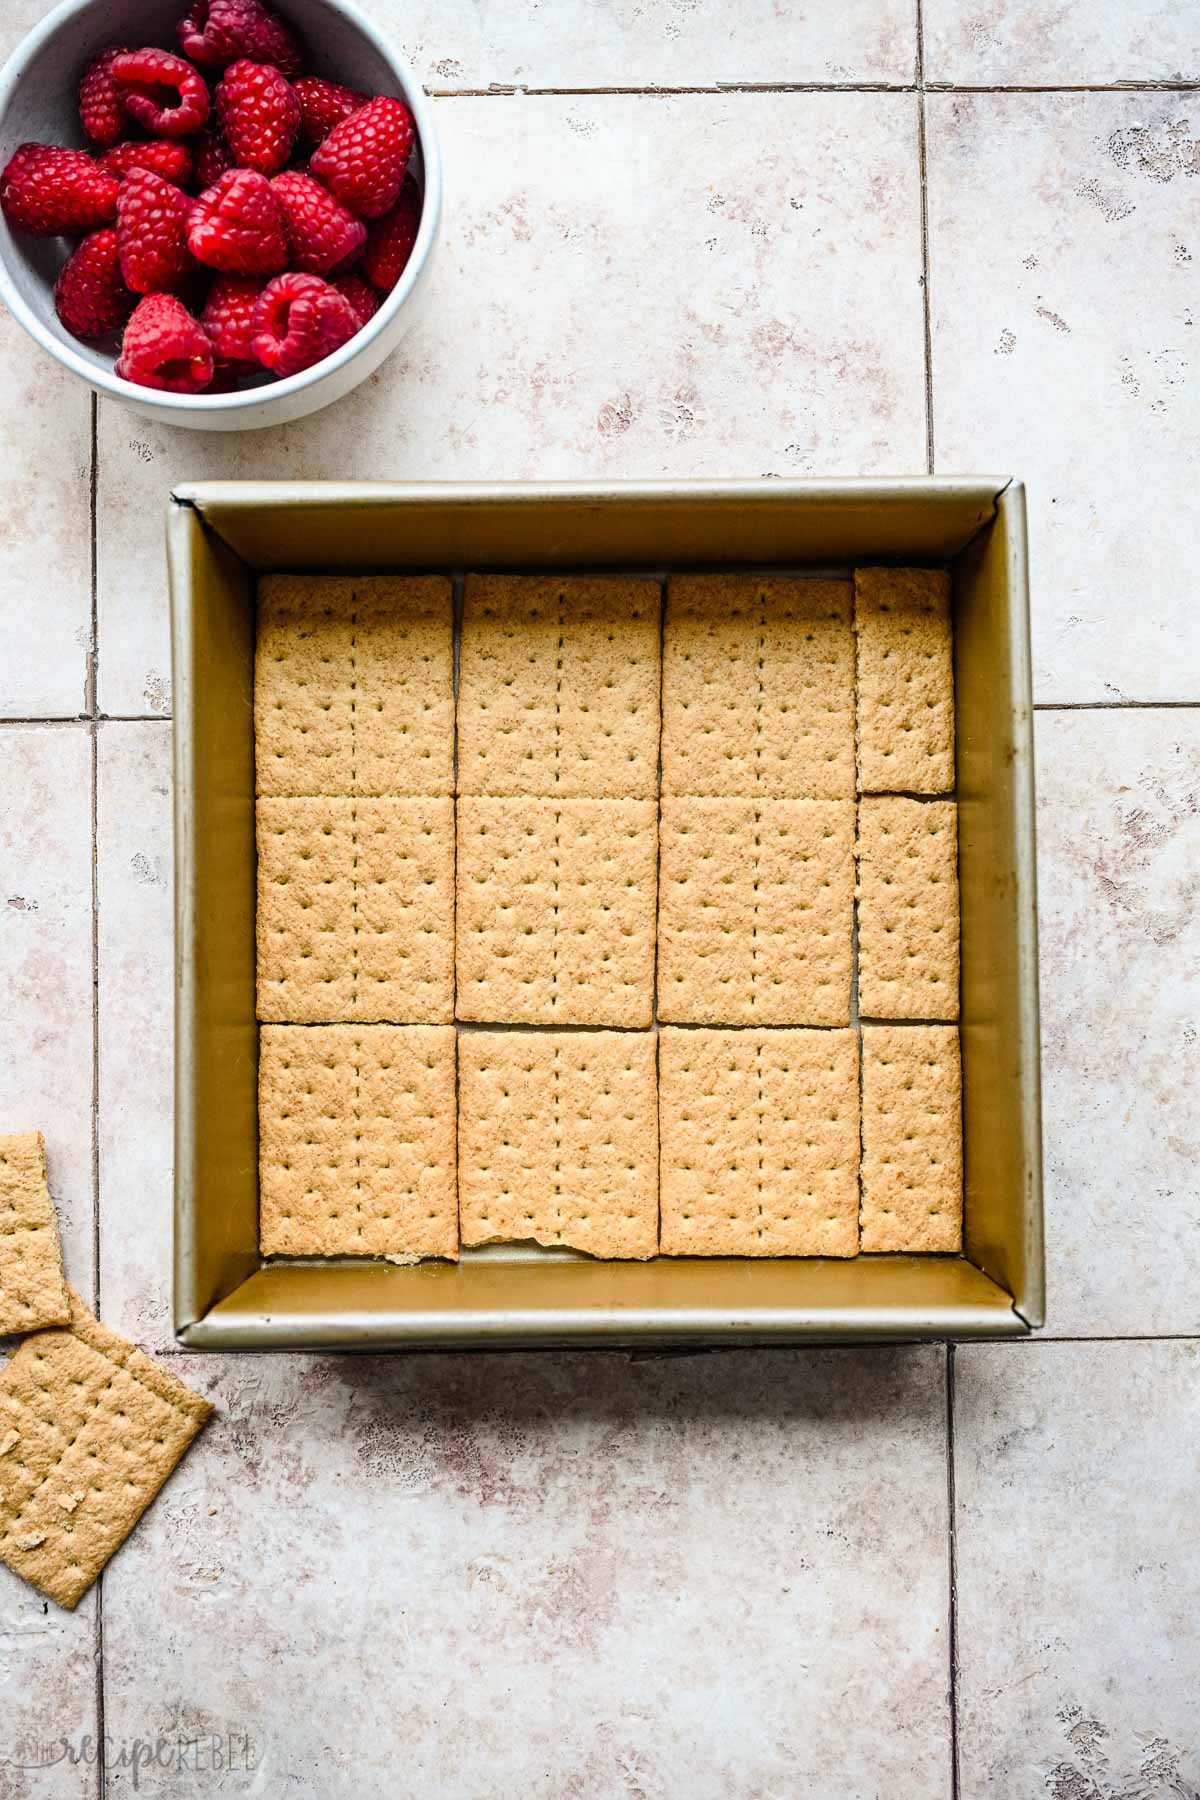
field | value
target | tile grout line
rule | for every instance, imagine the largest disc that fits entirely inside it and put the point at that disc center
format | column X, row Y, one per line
column 654, row 90
column 952, row 1537
column 923, row 173
column 92, row 704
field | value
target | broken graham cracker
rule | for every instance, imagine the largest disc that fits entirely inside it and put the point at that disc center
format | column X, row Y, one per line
column 907, row 908
column 32, row 1289
column 558, row 1139
column 912, row 1173
column 905, row 654
column 759, row 1142
column 755, row 911
column 356, row 910
column 558, row 689
column 758, row 687
column 90, row 1429
column 356, row 1140
column 556, row 911
column 354, row 685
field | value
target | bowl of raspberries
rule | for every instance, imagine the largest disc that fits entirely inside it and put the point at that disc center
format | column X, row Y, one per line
column 218, row 211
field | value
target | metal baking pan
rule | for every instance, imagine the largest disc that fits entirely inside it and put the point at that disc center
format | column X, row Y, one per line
column 221, row 536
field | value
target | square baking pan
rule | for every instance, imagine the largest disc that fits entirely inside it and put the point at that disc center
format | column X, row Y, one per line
column 221, row 536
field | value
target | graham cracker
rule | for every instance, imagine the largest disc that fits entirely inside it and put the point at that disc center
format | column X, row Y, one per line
column 90, row 1429
column 556, row 911
column 558, row 688
column 558, row 1139
column 905, row 681
column 759, row 1143
column 356, row 1140
column 755, row 911
column 354, row 685
column 912, row 1174
column 907, row 908
column 356, row 910
column 32, row 1289
column 758, row 687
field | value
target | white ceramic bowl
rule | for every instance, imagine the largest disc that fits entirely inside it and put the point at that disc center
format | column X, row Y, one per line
column 37, row 101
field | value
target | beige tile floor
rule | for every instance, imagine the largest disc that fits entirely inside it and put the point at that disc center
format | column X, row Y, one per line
column 912, row 1572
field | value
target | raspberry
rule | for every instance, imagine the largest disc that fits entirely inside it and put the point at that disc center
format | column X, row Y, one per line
column 390, row 239
column 216, row 32
column 324, row 104
column 165, row 156
column 101, row 108
column 48, row 190
column 238, row 226
column 364, row 158
column 228, row 316
column 165, row 347
column 211, row 157
column 299, row 320
column 162, row 92
column 152, row 217
column 89, row 296
column 259, row 114
column 321, row 233
column 365, row 301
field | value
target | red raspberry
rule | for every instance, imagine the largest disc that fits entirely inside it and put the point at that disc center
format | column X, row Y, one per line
column 164, row 347
column 89, row 296
column 299, row 320
column 259, row 114
column 321, row 233
column 101, row 108
column 48, row 190
column 390, row 239
column 364, row 158
column 216, row 32
column 365, row 301
column 165, row 156
column 228, row 316
column 211, row 156
column 163, row 93
column 152, row 217
column 324, row 104
column 238, row 226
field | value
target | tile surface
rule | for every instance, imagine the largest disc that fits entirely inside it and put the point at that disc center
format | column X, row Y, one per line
column 755, row 308
column 701, row 1552
column 672, row 43
column 47, row 1696
column 134, row 884
column 47, row 1678
column 1064, row 353
column 1077, row 1570
column 1119, row 874
column 1044, row 42
column 45, row 536
column 46, row 965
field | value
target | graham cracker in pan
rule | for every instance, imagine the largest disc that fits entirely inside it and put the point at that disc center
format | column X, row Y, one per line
column 556, row 911
column 356, row 910
column 759, row 1135
column 354, row 685
column 908, row 923
column 912, row 1172
column 558, row 1139
column 758, row 687
column 905, row 654
column 356, row 1141
column 755, row 913
column 558, row 690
